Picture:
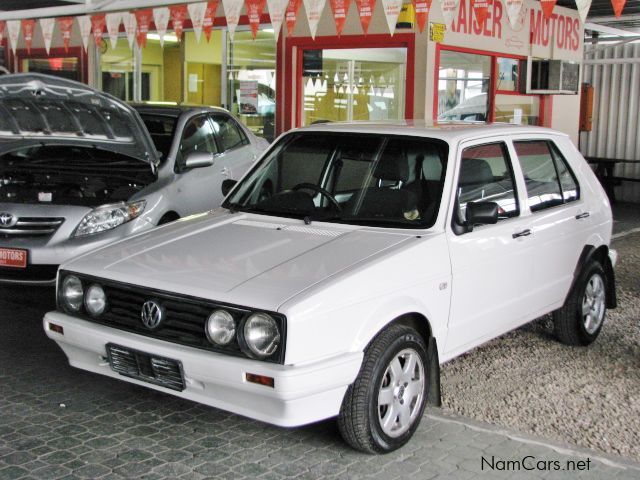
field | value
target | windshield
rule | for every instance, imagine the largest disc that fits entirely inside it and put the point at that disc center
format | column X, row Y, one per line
column 160, row 128
column 355, row 178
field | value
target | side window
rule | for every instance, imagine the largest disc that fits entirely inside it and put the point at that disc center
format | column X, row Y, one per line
column 229, row 134
column 197, row 136
column 547, row 177
column 486, row 176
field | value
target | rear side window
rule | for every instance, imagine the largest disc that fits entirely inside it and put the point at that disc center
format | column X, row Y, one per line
column 228, row 132
column 548, row 178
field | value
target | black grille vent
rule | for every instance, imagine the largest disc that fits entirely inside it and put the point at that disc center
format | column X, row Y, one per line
column 157, row 370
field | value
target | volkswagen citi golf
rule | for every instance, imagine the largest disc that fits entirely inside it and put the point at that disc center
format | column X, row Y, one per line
column 343, row 269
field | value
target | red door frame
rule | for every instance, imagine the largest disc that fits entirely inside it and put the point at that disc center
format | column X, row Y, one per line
column 41, row 53
column 493, row 85
column 401, row 40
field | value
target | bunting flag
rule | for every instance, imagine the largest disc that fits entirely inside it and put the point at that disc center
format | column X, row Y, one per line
column 84, row 24
column 130, row 27
column 291, row 15
column 314, row 12
column 232, row 9
column 196, row 12
column 618, row 6
column 422, row 9
column 392, row 10
column 178, row 14
column 3, row 25
column 340, row 9
column 209, row 18
column 47, row 25
column 161, row 20
column 143, row 18
column 514, row 10
column 449, row 10
column 28, row 27
column 547, row 8
column 13, row 30
column 97, row 26
column 113, row 20
column 365, row 10
column 254, row 12
column 276, row 13
column 480, row 9
column 583, row 9
column 65, row 24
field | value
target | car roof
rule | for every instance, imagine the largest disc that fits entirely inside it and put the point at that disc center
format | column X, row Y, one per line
column 173, row 110
column 450, row 131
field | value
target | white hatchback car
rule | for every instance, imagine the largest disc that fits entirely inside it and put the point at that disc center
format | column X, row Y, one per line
column 343, row 269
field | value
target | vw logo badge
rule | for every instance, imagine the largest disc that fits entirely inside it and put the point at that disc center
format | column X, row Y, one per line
column 7, row 220
column 152, row 314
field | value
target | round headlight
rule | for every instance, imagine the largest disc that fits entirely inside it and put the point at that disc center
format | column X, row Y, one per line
column 95, row 300
column 261, row 334
column 72, row 293
column 220, row 328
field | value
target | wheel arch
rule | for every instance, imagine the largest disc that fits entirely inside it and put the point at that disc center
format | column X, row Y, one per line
column 601, row 255
column 169, row 216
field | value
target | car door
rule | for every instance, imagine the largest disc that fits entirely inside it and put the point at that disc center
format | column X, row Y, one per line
column 239, row 154
column 559, row 217
column 492, row 264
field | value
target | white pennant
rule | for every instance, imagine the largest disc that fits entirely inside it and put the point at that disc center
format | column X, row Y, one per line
column 277, row 8
column 232, row 9
column 112, row 21
column 314, row 10
column 47, row 25
column 449, row 10
column 13, row 31
column 514, row 13
column 130, row 27
column 583, row 9
column 161, row 19
column 392, row 10
column 84, row 22
column 196, row 12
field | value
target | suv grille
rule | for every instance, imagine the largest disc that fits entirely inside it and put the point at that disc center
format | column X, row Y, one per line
column 32, row 227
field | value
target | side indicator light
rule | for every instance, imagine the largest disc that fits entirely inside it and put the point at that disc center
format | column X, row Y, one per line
column 260, row 379
column 56, row 328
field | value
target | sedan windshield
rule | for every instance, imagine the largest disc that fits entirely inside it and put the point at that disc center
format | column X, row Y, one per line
column 362, row 179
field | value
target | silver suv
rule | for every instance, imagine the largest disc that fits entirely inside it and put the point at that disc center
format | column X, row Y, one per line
column 80, row 169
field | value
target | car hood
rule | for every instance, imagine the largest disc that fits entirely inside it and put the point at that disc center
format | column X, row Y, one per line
column 249, row 260
column 44, row 110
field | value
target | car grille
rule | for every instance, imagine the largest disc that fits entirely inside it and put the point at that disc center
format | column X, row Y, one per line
column 32, row 227
column 149, row 368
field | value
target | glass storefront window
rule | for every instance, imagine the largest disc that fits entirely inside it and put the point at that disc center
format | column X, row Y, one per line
column 518, row 109
column 507, row 74
column 463, row 86
column 66, row 67
column 116, row 69
column 202, row 81
column 353, row 84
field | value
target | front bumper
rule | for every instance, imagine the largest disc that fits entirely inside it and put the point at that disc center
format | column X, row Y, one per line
column 301, row 394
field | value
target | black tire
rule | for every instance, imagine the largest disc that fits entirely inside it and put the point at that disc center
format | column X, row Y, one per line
column 568, row 322
column 358, row 420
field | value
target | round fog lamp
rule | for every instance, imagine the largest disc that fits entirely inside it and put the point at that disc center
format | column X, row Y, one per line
column 72, row 293
column 220, row 328
column 95, row 300
column 261, row 334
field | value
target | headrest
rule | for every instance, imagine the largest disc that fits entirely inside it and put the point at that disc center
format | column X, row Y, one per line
column 475, row 171
column 393, row 166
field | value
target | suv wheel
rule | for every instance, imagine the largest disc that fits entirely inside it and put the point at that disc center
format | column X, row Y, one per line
column 383, row 407
column 581, row 318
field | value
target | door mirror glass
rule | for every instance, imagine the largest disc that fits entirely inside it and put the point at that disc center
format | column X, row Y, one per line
column 227, row 185
column 481, row 213
column 198, row 160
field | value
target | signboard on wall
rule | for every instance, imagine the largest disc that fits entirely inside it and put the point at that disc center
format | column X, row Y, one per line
column 248, row 97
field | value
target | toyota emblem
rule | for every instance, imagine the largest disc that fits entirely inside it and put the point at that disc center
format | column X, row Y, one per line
column 152, row 314
column 7, row 220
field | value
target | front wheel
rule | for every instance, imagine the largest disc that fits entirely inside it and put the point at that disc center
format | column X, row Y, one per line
column 383, row 407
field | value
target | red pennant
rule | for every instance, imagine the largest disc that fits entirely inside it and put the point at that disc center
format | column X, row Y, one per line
column 97, row 27
column 209, row 17
column 178, row 14
column 144, row 19
column 28, row 26
column 365, row 10
column 422, row 9
column 340, row 10
column 3, row 24
column 291, row 15
column 480, row 9
column 618, row 5
column 66, row 25
column 254, row 12
column 547, row 8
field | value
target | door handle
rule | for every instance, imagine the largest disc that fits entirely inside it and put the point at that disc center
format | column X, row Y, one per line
column 582, row 215
column 523, row 233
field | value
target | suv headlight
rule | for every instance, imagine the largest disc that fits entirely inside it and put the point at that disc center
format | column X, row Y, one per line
column 261, row 334
column 72, row 293
column 108, row 217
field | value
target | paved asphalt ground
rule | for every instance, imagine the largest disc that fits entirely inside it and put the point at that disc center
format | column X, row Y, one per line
column 59, row 422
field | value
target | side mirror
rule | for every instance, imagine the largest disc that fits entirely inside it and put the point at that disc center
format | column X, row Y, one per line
column 227, row 185
column 481, row 213
column 198, row 160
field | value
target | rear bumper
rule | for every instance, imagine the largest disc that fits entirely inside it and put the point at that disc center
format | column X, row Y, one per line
column 301, row 394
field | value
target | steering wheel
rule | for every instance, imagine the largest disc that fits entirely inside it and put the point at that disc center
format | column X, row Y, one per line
column 321, row 191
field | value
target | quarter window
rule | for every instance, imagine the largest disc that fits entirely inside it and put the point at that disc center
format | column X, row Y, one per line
column 547, row 176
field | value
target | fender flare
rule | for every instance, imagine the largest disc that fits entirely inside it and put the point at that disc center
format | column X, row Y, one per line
column 601, row 255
